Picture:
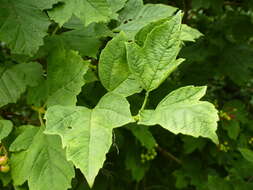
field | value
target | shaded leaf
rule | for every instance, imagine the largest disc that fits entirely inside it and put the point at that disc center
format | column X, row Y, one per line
column 5, row 128
column 42, row 164
column 15, row 79
column 23, row 25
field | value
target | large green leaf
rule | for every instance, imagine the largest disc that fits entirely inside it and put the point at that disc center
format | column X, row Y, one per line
column 65, row 73
column 15, row 79
column 43, row 164
column 86, row 133
column 156, row 59
column 113, row 68
column 135, row 15
column 182, row 112
column 23, row 25
column 5, row 128
column 87, row 10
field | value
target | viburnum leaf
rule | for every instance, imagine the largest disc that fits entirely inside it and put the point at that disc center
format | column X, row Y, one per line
column 5, row 128
column 65, row 73
column 15, row 79
column 113, row 68
column 135, row 15
column 43, row 164
column 87, row 133
column 156, row 59
column 182, row 112
column 87, row 10
column 23, row 25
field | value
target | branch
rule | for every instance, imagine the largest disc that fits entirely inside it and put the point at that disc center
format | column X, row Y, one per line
column 168, row 155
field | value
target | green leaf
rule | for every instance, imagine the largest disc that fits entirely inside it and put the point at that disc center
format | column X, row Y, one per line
column 134, row 165
column 217, row 183
column 116, row 5
column 143, row 134
column 86, row 133
column 86, row 40
column 23, row 141
column 156, row 59
column 23, row 25
column 43, row 4
column 88, row 11
column 182, row 112
column 135, row 15
column 113, row 68
column 189, row 34
column 65, row 76
column 247, row 154
column 43, row 163
column 128, row 87
column 15, row 79
column 5, row 128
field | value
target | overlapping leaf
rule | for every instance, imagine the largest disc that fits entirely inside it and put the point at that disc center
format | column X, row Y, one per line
column 189, row 34
column 15, row 79
column 65, row 77
column 85, row 40
column 5, row 128
column 87, row 10
column 182, row 112
column 23, row 24
column 43, row 163
column 156, row 59
column 63, row 81
column 135, row 15
column 87, row 134
column 113, row 68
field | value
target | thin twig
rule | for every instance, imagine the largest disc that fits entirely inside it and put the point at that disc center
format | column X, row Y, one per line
column 168, row 155
column 144, row 102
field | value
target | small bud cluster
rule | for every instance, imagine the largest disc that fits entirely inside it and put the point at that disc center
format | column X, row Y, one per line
column 224, row 115
column 148, row 156
column 224, row 147
column 227, row 115
column 251, row 141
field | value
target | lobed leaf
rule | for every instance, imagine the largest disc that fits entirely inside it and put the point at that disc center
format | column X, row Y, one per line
column 87, row 10
column 23, row 25
column 182, row 112
column 86, row 133
column 15, row 79
column 43, row 164
column 65, row 77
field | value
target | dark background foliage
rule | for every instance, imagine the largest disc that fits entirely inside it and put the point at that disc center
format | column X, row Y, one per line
column 222, row 59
